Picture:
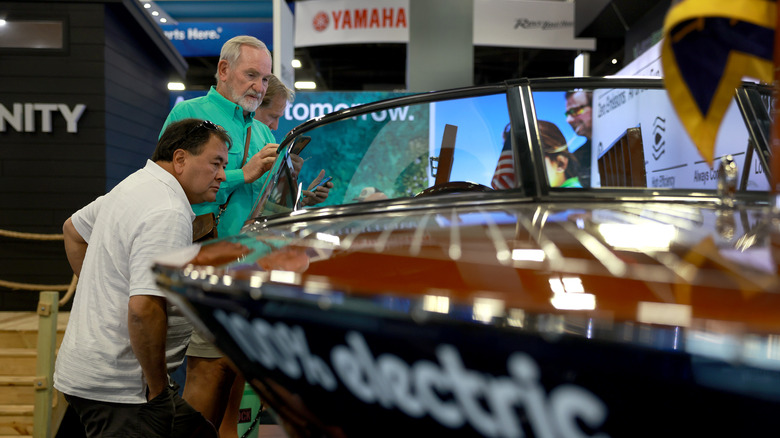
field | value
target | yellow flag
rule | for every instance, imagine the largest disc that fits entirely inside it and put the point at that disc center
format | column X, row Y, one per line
column 708, row 47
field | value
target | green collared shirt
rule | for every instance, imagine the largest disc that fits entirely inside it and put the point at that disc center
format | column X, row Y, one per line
column 223, row 112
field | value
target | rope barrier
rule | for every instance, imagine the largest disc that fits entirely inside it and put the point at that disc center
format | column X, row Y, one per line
column 36, row 287
column 69, row 288
column 30, row 236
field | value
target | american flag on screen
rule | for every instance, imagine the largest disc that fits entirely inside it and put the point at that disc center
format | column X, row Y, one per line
column 504, row 176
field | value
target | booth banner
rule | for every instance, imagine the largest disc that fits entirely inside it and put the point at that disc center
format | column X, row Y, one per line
column 519, row 23
column 505, row 23
column 646, row 64
column 324, row 22
column 206, row 38
column 671, row 158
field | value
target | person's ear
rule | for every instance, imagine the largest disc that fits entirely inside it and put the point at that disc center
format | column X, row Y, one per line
column 179, row 160
column 222, row 68
column 561, row 162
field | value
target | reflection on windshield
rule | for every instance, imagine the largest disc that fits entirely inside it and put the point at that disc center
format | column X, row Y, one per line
column 638, row 140
column 599, row 138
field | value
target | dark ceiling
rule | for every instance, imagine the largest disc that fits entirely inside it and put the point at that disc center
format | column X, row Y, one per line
column 383, row 66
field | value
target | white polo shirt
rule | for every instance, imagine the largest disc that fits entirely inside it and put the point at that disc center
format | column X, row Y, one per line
column 145, row 215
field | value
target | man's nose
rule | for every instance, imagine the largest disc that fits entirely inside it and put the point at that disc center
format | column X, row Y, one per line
column 221, row 175
column 259, row 87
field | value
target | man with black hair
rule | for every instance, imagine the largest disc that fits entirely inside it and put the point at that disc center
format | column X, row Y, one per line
column 579, row 115
column 123, row 338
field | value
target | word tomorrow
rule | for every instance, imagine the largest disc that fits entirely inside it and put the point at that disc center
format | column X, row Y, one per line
column 301, row 111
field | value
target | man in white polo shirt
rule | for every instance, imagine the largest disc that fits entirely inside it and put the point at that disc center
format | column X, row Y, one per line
column 123, row 338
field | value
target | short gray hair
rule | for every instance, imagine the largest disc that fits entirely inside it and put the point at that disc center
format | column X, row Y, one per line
column 276, row 88
column 231, row 50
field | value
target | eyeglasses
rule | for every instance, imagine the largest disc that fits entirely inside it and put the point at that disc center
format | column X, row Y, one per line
column 576, row 111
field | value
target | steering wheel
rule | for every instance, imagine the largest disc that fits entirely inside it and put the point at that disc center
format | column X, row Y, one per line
column 453, row 187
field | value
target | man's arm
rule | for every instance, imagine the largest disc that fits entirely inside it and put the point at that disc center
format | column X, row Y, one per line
column 147, row 321
column 75, row 246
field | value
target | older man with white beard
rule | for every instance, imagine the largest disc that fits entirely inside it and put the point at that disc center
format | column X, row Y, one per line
column 242, row 78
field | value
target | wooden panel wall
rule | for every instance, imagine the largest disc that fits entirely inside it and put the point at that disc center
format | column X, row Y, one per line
column 110, row 65
column 136, row 99
column 44, row 177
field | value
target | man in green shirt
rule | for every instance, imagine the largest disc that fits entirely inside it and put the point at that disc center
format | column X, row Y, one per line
column 242, row 78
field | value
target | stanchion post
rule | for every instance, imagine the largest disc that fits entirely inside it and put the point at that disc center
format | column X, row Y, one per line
column 48, row 306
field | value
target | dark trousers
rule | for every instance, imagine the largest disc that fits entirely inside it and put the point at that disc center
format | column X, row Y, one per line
column 165, row 416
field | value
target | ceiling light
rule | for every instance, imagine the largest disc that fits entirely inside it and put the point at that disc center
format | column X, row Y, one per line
column 2, row 22
column 175, row 86
column 296, row 63
column 614, row 60
column 159, row 14
column 305, row 85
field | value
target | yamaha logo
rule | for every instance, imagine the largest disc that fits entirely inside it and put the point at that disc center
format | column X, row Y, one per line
column 320, row 21
column 359, row 19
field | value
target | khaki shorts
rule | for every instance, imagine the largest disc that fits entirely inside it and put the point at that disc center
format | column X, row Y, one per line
column 201, row 347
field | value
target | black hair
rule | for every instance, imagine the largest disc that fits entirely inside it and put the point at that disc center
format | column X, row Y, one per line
column 190, row 135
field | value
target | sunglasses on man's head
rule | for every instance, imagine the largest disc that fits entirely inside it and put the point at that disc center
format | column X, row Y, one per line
column 576, row 111
column 208, row 124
